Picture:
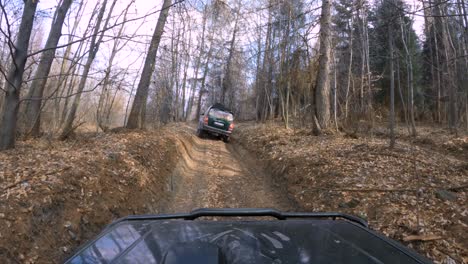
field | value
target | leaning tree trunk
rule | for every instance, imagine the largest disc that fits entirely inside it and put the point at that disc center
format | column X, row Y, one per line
column 15, row 77
column 184, row 82
column 136, row 118
column 202, row 88
column 33, row 107
column 322, row 92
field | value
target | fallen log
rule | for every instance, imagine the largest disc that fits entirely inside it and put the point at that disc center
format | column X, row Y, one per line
column 423, row 238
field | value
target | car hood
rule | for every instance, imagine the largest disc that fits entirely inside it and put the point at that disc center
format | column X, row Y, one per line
column 266, row 241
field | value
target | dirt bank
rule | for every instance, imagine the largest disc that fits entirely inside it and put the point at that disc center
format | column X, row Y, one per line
column 56, row 195
column 409, row 193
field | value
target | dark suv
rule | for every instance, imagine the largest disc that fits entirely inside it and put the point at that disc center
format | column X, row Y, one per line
column 216, row 120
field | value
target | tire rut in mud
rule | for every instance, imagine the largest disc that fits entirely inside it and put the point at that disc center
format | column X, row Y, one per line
column 211, row 173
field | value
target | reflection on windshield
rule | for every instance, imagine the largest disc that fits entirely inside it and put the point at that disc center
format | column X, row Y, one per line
column 106, row 248
column 241, row 242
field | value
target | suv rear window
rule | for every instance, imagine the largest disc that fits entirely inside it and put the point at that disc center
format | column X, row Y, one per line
column 219, row 114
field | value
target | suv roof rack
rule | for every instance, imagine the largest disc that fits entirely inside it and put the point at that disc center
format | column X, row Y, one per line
column 221, row 107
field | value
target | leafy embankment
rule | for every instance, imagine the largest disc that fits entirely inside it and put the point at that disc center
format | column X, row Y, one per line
column 56, row 195
column 414, row 194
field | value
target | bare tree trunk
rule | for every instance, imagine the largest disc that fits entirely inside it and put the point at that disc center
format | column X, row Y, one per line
column 463, row 7
column 392, row 91
column 2, row 62
column 409, row 63
column 130, row 96
column 335, row 103
column 33, row 106
column 227, row 76
column 452, row 71
column 288, row 91
column 93, row 49
column 175, row 72
column 439, row 82
column 65, row 67
column 466, row 110
column 258, row 76
column 15, row 77
column 368, row 70
column 462, row 10
column 429, row 31
column 137, row 116
column 193, row 87
column 184, row 84
column 266, row 71
column 448, row 67
column 197, row 68
column 108, row 108
column 186, row 66
column 363, row 58
column 71, row 86
column 400, row 93
column 101, row 108
column 202, row 88
column 350, row 66
column 322, row 98
column 436, row 29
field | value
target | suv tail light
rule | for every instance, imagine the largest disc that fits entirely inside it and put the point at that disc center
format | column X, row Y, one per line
column 205, row 120
column 231, row 126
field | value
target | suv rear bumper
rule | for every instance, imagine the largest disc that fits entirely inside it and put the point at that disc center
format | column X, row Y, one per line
column 216, row 130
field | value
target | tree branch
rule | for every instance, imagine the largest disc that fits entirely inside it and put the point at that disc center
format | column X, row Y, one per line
column 63, row 97
column 11, row 45
column 103, row 30
column 6, row 79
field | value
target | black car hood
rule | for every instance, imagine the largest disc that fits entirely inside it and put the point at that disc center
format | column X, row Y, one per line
column 278, row 241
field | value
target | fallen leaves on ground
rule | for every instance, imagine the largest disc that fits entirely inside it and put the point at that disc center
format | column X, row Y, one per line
column 415, row 191
column 56, row 195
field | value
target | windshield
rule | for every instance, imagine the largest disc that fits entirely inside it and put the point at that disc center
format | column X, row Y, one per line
column 219, row 114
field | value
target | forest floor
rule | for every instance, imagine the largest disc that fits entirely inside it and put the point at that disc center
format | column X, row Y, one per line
column 414, row 193
column 57, row 195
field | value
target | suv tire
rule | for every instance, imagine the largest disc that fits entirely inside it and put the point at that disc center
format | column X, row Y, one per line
column 200, row 133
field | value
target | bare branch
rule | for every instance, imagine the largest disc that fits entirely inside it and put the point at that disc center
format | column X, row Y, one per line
column 105, row 29
column 11, row 45
column 6, row 79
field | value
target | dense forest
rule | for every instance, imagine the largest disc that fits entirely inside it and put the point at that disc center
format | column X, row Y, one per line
column 344, row 106
column 328, row 65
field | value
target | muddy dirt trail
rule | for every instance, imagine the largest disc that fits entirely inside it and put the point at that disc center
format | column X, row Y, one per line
column 211, row 173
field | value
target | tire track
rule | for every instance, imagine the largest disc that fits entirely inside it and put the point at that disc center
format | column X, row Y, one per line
column 214, row 174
